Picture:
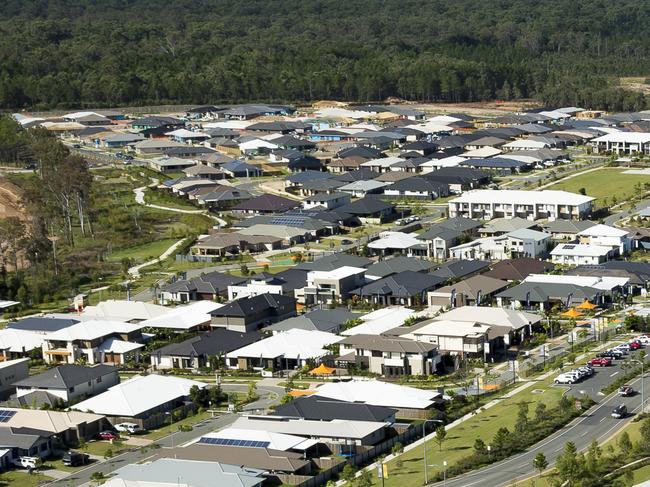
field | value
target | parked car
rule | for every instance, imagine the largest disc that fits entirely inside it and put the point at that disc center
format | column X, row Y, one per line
column 27, row 462
column 625, row 390
column 619, row 411
column 108, row 435
column 119, row 155
column 76, row 146
column 645, row 339
column 600, row 362
column 75, row 458
column 128, row 427
column 623, row 347
column 346, row 241
column 634, row 345
column 565, row 379
column 587, row 369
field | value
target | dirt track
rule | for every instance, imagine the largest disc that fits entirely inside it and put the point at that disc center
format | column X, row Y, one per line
column 10, row 200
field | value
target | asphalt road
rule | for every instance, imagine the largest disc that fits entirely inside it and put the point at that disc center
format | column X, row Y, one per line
column 268, row 395
column 596, row 424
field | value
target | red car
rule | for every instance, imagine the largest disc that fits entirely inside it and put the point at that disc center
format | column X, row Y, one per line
column 634, row 345
column 108, row 435
column 600, row 362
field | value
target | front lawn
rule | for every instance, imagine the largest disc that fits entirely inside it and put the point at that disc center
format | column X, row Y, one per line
column 142, row 253
column 166, row 430
column 19, row 478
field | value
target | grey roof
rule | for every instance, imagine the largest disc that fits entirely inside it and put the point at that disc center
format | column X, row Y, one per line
column 324, row 197
column 404, row 284
column 194, row 473
column 20, row 438
column 388, row 344
column 268, row 203
column 567, row 226
column 363, row 173
column 544, row 291
column 637, row 272
column 35, row 399
column 66, row 376
column 421, row 185
column 399, row 264
column 366, row 206
column 247, row 306
column 457, row 269
column 505, row 225
column 326, row 184
column 301, row 177
column 518, row 269
column 328, row 320
column 334, row 261
column 325, row 409
column 215, row 342
column 35, row 323
column 528, row 234
column 452, row 227
column 472, row 285
column 210, row 283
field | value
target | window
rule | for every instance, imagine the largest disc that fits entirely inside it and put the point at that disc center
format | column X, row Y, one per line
column 99, row 379
column 71, row 389
column 90, row 383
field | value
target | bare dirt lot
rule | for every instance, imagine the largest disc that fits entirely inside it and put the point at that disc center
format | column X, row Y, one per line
column 11, row 200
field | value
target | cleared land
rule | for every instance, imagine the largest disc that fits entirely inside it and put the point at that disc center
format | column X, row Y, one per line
column 604, row 184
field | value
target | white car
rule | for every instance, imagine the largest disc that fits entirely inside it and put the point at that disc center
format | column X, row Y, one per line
column 644, row 339
column 27, row 462
column 128, row 427
column 565, row 379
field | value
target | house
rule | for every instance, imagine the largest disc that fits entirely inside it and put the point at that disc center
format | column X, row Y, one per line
column 326, row 287
column 388, row 356
column 222, row 197
column 327, row 320
column 606, row 236
column 533, row 205
column 12, row 371
column 196, row 352
column 456, row 269
column 123, row 310
column 500, row 226
column 262, row 283
column 305, row 163
column 187, row 136
column 544, row 295
column 370, row 210
column 334, row 432
column 221, row 244
column 518, row 269
column 94, row 342
column 187, row 318
column 408, row 401
column 170, row 164
column 250, row 313
column 379, row 321
column 499, row 165
column 528, row 243
column 581, row 254
column 319, row 408
column 637, row 273
column 282, row 351
column 459, row 179
column 239, row 169
column 473, row 290
column 398, row 243
column 161, row 472
column 458, row 338
column 566, row 229
column 329, row 201
column 334, row 261
column 404, row 288
column 362, row 188
column 494, row 316
column 203, row 171
column 143, row 400
column 121, row 140
column 19, row 343
column 622, row 143
column 44, row 325
column 317, row 186
column 418, row 188
column 443, row 235
column 382, row 164
column 70, row 382
column 265, row 203
column 387, row 267
column 154, row 122
column 208, row 286
column 154, row 146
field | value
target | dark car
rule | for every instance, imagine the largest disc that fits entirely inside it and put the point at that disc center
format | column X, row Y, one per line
column 76, row 146
column 108, row 435
column 619, row 411
column 128, row 157
column 75, row 458
column 625, row 390
column 346, row 241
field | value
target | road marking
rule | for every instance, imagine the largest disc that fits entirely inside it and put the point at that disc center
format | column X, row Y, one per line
column 602, row 419
column 612, row 375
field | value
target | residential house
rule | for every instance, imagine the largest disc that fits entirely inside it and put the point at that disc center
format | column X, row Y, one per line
column 544, row 295
column 459, row 179
column 265, row 203
column 388, row 356
column 326, row 287
column 170, row 164
column 533, row 205
column 417, row 188
column 327, row 320
column 622, row 143
column 69, row 382
column 317, row 408
column 282, row 351
column 500, row 226
column 566, row 229
column 455, row 269
column 362, row 188
column 188, row 318
column 390, row 243
column 518, row 269
column 11, row 372
column 258, row 284
column 581, row 254
column 440, row 237
column 387, row 267
column 370, row 210
column 379, row 321
column 606, row 236
column 456, row 338
column 203, row 171
column 473, row 290
column 143, row 400
column 196, row 352
column 404, row 288
column 329, row 201
column 250, row 313
column 209, row 286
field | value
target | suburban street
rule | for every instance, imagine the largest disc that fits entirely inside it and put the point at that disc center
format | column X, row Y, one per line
column 595, row 424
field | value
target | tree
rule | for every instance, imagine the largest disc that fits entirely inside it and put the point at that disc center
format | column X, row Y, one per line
column 501, row 438
column 568, row 464
column 365, row 479
column 252, row 392
column 582, row 191
column 540, row 463
column 441, row 435
column 479, row 446
column 540, row 412
column 347, row 474
column 522, row 417
column 199, row 395
column 244, row 269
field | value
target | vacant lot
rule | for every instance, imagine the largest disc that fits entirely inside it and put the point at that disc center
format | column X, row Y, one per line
column 604, row 185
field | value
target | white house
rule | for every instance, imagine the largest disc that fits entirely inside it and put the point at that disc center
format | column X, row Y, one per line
column 454, row 337
column 622, row 143
column 253, row 288
column 486, row 204
column 379, row 321
column 329, row 286
column 580, row 254
column 606, row 236
column 329, row 201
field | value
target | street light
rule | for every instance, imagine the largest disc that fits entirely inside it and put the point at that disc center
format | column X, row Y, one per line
column 424, row 445
column 444, row 471
column 171, row 431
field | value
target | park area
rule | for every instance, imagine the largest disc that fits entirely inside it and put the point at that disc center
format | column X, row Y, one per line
column 607, row 185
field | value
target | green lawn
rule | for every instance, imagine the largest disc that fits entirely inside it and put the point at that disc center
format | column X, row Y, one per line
column 19, row 478
column 142, row 253
column 163, row 198
column 604, row 183
column 100, row 448
column 167, row 429
column 460, row 440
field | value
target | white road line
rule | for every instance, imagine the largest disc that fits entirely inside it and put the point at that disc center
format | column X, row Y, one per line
column 602, row 419
column 612, row 375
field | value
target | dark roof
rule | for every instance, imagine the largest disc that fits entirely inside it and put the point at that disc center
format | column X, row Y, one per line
column 637, row 272
column 419, row 184
column 475, row 284
column 452, row 227
column 20, row 438
column 35, row 323
column 306, row 162
column 66, row 376
column 458, row 175
column 334, row 261
column 404, row 284
column 268, row 203
column 518, row 269
column 215, row 342
column 457, row 269
column 543, row 291
column 399, row 264
column 292, row 279
column 301, row 177
column 366, row 206
column 34, row 399
column 210, row 283
column 360, row 174
column 419, row 145
column 366, row 152
column 496, row 163
column 324, row 409
column 249, row 305
column 190, row 149
column 387, row 344
column 328, row 320
column 322, row 184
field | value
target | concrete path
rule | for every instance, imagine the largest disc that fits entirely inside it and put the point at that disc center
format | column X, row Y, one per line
column 135, row 270
column 139, row 199
column 54, row 474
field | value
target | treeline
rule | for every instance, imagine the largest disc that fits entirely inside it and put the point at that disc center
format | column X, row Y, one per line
column 65, row 53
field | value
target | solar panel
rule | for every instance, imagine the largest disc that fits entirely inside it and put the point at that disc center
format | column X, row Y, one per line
column 233, row 442
column 6, row 415
column 569, row 247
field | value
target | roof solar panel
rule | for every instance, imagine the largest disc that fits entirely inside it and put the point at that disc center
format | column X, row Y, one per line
column 230, row 442
column 6, row 415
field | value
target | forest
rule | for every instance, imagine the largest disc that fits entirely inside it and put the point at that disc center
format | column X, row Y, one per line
column 88, row 53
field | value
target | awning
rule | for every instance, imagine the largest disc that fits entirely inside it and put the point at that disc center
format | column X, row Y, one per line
column 322, row 369
column 572, row 313
column 587, row 305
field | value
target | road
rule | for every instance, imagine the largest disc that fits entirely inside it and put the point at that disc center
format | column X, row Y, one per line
column 268, row 395
column 612, row 219
column 596, row 424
